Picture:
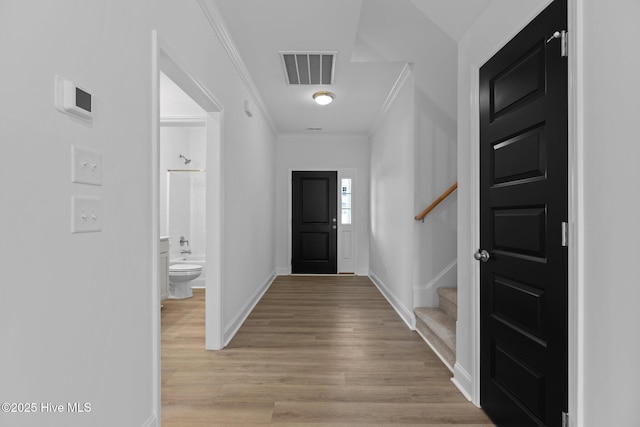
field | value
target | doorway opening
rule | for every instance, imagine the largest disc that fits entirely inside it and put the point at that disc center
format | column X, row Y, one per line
column 186, row 153
column 183, row 168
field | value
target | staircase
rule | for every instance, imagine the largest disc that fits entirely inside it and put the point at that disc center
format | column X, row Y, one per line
column 437, row 325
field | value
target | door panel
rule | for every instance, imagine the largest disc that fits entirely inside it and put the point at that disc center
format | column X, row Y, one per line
column 314, row 225
column 314, row 193
column 520, row 157
column 523, row 202
column 520, row 231
column 519, row 83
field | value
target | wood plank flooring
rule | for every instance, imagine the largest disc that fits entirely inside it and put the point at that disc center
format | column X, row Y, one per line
column 315, row 351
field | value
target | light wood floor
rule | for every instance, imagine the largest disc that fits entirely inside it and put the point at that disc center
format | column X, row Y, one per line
column 321, row 351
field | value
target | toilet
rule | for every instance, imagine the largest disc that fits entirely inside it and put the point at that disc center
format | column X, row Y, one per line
column 180, row 277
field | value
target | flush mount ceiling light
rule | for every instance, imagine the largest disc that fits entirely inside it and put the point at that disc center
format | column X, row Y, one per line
column 323, row 97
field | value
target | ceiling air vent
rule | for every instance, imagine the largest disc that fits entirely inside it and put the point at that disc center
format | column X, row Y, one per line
column 309, row 68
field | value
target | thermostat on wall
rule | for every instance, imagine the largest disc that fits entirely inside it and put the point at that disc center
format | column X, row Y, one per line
column 73, row 99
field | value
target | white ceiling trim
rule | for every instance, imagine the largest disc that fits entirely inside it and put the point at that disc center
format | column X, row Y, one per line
column 183, row 121
column 393, row 94
column 214, row 17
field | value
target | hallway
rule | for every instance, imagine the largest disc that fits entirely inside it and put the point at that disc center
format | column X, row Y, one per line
column 315, row 350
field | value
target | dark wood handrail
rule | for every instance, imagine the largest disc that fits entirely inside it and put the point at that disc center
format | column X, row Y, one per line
column 436, row 202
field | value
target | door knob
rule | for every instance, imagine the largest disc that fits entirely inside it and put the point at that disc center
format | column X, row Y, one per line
column 482, row 255
column 335, row 227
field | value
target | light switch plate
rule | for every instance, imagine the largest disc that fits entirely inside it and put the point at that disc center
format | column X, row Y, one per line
column 86, row 166
column 86, row 214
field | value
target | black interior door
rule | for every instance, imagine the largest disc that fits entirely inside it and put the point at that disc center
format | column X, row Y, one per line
column 523, row 204
column 314, row 228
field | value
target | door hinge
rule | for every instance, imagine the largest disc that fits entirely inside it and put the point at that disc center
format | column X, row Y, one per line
column 565, row 234
column 564, row 42
column 565, row 419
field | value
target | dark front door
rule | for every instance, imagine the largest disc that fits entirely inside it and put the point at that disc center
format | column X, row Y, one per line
column 523, row 204
column 314, row 201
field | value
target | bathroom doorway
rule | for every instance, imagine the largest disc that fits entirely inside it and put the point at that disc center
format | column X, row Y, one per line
column 183, row 183
column 186, row 155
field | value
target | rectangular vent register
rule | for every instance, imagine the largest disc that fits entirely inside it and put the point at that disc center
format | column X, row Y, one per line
column 304, row 68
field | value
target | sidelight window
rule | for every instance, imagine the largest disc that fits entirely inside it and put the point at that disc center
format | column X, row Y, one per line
column 345, row 198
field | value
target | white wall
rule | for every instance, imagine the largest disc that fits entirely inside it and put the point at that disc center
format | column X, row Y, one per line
column 610, row 231
column 75, row 309
column 248, row 156
column 322, row 152
column 435, row 172
column 391, row 245
column 398, row 31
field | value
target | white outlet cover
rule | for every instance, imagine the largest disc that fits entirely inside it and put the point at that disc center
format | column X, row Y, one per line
column 86, row 214
column 86, row 166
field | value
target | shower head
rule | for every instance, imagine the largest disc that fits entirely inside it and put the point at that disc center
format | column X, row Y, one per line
column 186, row 161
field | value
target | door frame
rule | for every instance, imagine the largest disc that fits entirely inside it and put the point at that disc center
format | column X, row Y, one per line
column 575, row 206
column 164, row 59
column 342, row 173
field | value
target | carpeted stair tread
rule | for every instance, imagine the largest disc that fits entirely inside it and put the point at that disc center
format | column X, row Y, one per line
column 442, row 325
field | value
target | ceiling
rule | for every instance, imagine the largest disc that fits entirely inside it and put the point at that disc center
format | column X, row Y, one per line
column 261, row 29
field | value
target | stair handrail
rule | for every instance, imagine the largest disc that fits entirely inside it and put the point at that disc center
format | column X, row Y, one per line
column 436, row 202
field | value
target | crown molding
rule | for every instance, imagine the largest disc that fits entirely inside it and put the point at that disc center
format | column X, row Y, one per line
column 214, row 17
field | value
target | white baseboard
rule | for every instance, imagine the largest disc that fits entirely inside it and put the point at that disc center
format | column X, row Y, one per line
column 404, row 313
column 232, row 328
column 462, row 380
column 284, row 271
column 435, row 350
column 151, row 422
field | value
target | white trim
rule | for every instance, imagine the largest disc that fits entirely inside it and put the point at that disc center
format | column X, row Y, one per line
column 474, row 391
column 151, row 422
column 215, row 235
column 156, row 363
column 342, row 266
column 435, row 350
column 426, row 295
column 404, row 313
column 402, row 79
column 438, row 277
column 576, row 214
column 283, row 271
column 214, row 17
column 169, row 63
column 183, row 121
column 174, row 67
column 231, row 329
column 462, row 380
